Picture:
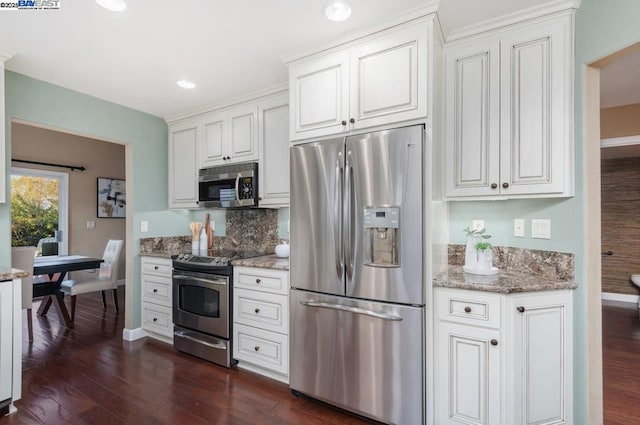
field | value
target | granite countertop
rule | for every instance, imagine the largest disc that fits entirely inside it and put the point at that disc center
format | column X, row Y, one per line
column 505, row 282
column 264, row 262
column 10, row 274
column 158, row 254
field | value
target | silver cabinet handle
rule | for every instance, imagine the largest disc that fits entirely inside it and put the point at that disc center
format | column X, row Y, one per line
column 199, row 341
column 350, row 309
column 199, row 279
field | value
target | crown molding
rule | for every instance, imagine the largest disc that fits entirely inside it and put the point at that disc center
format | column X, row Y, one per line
column 6, row 55
column 428, row 8
column 548, row 8
column 620, row 141
column 227, row 103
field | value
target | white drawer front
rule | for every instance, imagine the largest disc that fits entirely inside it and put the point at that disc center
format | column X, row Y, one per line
column 276, row 281
column 269, row 350
column 262, row 310
column 157, row 319
column 156, row 266
column 157, row 289
column 469, row 307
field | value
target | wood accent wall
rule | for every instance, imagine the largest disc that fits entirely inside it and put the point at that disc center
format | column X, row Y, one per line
column 620, row 224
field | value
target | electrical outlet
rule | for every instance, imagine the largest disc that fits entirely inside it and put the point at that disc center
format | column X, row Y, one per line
column 518, row 228
column 477, row 225
column 144, row 226
column 91, row 224
column 540, row 229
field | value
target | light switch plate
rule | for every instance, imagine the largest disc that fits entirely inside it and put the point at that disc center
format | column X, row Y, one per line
column 541, row 229
column 91, row 224
column 518, row 228
column 144, row 226
column 477, row 225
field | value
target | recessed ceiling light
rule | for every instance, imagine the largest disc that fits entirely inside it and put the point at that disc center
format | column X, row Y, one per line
column 337, row 11
column 186, row 84
column 113, row 5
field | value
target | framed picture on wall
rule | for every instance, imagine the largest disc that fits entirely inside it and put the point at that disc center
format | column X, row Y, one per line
column 112, row 198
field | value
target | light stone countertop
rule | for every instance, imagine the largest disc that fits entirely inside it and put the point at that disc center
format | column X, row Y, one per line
column 505, row 282
column 10, row 274
column 264, row 262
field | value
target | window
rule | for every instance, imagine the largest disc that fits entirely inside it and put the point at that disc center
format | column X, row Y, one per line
column 39, row 205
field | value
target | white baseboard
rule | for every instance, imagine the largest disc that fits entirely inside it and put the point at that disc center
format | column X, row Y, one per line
column 133, row 334
column 624, row 298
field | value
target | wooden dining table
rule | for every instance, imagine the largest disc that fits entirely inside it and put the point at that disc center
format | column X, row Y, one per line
column 56, row 268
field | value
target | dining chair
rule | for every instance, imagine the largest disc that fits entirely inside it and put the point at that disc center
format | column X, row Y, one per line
column 107, row 278
column 22, row 259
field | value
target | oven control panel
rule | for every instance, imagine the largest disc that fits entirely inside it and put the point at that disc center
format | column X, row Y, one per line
column 202, row 260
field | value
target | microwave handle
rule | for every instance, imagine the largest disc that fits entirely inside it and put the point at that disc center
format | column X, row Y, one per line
column 238, row 186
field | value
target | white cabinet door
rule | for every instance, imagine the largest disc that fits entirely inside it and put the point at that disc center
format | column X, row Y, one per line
column 274, row 152
column 468, row 375
column 212, row 148
column 183, row 166
column 242, row 134
column 319, row 96
column 536, row 107
column 389, row 78
column 6, row 339
column 542, row 359
column 472, row 126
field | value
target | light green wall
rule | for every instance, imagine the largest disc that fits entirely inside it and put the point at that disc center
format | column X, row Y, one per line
column 53, row 106
column 602, row 27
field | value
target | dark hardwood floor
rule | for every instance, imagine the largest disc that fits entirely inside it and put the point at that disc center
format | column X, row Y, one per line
column 621, row 358
column 89, row 375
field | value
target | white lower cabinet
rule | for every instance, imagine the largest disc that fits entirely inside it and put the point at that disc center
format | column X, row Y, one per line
column 10, row 343
column 157, row 298
column 261, row 321
column 503, row 359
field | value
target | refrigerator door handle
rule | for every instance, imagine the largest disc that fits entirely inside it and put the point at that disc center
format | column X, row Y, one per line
column 348, row 218
column 338, row 202
column 350, row 309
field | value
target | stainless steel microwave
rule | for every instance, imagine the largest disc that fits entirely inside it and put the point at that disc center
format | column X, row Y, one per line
column 228, row 186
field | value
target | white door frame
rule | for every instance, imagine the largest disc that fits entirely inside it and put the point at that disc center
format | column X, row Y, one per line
column 63, row 199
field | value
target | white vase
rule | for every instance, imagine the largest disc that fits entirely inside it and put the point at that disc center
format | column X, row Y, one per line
column 485, row 260
column 471, row 253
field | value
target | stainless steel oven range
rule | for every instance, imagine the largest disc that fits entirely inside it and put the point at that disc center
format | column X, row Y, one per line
column 202, row 305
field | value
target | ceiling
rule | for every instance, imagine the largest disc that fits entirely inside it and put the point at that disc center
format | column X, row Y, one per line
column 228, row 48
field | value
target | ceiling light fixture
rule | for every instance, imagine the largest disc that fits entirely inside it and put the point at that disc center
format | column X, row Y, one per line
column 186, row 84
column 113, row 5
column 337, row 11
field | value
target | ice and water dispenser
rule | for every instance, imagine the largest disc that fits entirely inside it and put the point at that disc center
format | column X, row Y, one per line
column 381, row 234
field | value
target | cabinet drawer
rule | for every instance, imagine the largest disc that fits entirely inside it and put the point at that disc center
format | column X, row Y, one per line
column 157, row 289
column 157, row 318
column 275, row 281
column 156, row 266
column 262, row 310
column 469, row 307
column 269, row 350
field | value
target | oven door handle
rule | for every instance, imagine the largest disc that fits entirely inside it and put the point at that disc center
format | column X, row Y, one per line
column 199, row 279
column 219, row 346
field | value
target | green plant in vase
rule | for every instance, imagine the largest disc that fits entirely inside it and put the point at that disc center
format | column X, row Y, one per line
column 474, row 237
column 485, row 256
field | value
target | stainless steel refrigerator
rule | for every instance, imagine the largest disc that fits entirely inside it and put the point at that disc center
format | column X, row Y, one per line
column 356, row 270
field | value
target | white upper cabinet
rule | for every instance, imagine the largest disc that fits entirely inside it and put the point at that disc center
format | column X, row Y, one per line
column 319, row 96
column 183, row 165
column 379, row 81
column 509, row 116
column 254, row 129
column 274, row 152
column 230, row 136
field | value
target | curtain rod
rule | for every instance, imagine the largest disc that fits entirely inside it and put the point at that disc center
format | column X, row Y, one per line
column 71, row 167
